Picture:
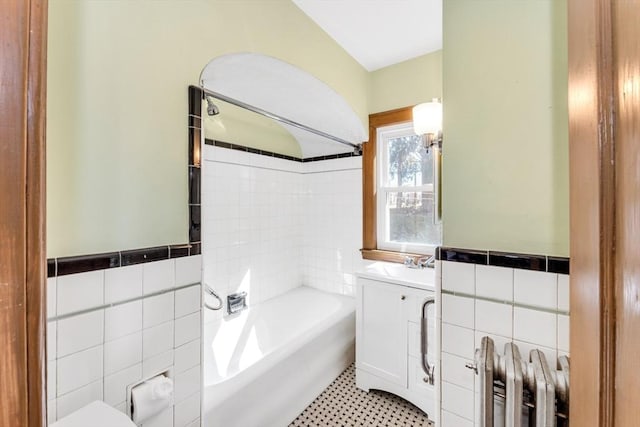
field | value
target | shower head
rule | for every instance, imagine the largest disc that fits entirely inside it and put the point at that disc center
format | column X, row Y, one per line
column 212, row 109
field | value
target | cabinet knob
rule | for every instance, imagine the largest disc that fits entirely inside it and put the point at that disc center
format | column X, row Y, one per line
column 403, row 297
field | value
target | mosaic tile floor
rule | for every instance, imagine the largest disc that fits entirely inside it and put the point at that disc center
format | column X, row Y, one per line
column 342, row 404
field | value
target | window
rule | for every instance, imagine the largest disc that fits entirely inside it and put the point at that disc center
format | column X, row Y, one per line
column 405, row 192
column 400, row 184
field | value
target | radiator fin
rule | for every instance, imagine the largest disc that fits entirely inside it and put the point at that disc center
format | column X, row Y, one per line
column 547, row 389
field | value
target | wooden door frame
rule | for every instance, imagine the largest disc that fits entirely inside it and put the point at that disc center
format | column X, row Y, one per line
column 22, row 213
column 592, row 205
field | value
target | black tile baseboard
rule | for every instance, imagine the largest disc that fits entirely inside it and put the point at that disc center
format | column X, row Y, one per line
column 558, row 265
column 462, row 255
column 523, row 261
column 195, row 101
column 551, row 264
column 85, row 263
column 140, row 256
column 228, row 145
column 51, row 267
column 179, row 251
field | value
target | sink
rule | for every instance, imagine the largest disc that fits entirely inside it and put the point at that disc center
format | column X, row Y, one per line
column 422, row 278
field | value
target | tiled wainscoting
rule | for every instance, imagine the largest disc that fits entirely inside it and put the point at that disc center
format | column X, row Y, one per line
column 114, row 327
column 272, row 224
column 528, row 307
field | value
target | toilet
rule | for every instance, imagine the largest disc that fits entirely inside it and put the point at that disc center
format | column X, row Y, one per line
column 95, row 414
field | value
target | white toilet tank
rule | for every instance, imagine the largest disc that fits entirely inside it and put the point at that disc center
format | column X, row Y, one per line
column 95, row 414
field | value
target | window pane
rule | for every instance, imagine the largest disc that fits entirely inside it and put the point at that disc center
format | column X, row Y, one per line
column 411, row 216
column 408, row 163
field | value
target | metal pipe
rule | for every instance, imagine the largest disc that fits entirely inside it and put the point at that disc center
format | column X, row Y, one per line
column 278, row 118
column 213, row 293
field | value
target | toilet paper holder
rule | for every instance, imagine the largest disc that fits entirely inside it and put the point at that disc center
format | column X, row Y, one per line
column 149, row 396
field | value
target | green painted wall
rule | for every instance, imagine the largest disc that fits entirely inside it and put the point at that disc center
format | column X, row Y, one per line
column 407, row 83
column 505, row 170
column 118, row 72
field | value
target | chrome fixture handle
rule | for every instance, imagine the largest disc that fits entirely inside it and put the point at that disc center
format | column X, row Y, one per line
column 424, row 348
column 410, row 262
column 427, row 262
column 213, row 293
column 422, row 262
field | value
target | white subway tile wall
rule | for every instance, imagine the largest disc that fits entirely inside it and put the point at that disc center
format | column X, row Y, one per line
column 79, row 291
column 536, row 288
column 51, row 299
column 563, row 292
column 252, row 218
column 270, row 225
column 122, row 320
column 459, row 311
column 459, row 277
column 563, row 333
column 494, row 318
column 527, row 307
column 159, row 363
column 97, row 354
column 157, row 276
column 494, row 282
column 80, row 332
column 332, row 232
column 157, row 310
column 122, row 283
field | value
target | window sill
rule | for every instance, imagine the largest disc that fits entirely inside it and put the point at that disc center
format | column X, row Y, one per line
column 389, row 256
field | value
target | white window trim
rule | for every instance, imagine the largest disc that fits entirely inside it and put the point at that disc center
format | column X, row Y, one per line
column 383, row 134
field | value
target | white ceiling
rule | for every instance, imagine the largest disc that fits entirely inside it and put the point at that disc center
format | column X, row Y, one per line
column 379, row 33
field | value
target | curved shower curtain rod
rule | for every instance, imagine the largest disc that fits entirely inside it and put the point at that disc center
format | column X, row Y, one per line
column 207, row 92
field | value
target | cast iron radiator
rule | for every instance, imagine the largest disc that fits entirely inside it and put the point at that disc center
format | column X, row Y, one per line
column 528, row 390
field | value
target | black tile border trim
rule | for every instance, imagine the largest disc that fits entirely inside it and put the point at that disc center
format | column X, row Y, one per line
column 550, row 264
column 51, row 268
column 228, row 145
column 84, row 263
column 462, row 255
column 195, row 137
column 558, row 265
column 140, row 256
column 81, row 264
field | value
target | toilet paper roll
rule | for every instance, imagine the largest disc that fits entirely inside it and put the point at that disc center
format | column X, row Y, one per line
column 151, row 397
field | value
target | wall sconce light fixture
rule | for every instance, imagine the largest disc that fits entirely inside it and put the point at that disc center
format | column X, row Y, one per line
column 427, row 121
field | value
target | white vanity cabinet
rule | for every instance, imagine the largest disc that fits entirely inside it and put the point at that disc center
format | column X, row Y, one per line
column 389, row 339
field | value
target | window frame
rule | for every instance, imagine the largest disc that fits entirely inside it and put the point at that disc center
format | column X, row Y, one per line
column 370, row 164
column 383, row 135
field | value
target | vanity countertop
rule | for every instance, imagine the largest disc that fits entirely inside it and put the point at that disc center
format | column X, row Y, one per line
column 421, row 278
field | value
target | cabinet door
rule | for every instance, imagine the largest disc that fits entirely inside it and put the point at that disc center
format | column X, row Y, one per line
column 381, row 343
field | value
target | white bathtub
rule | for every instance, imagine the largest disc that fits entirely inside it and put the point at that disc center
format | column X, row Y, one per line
column 263, row 366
